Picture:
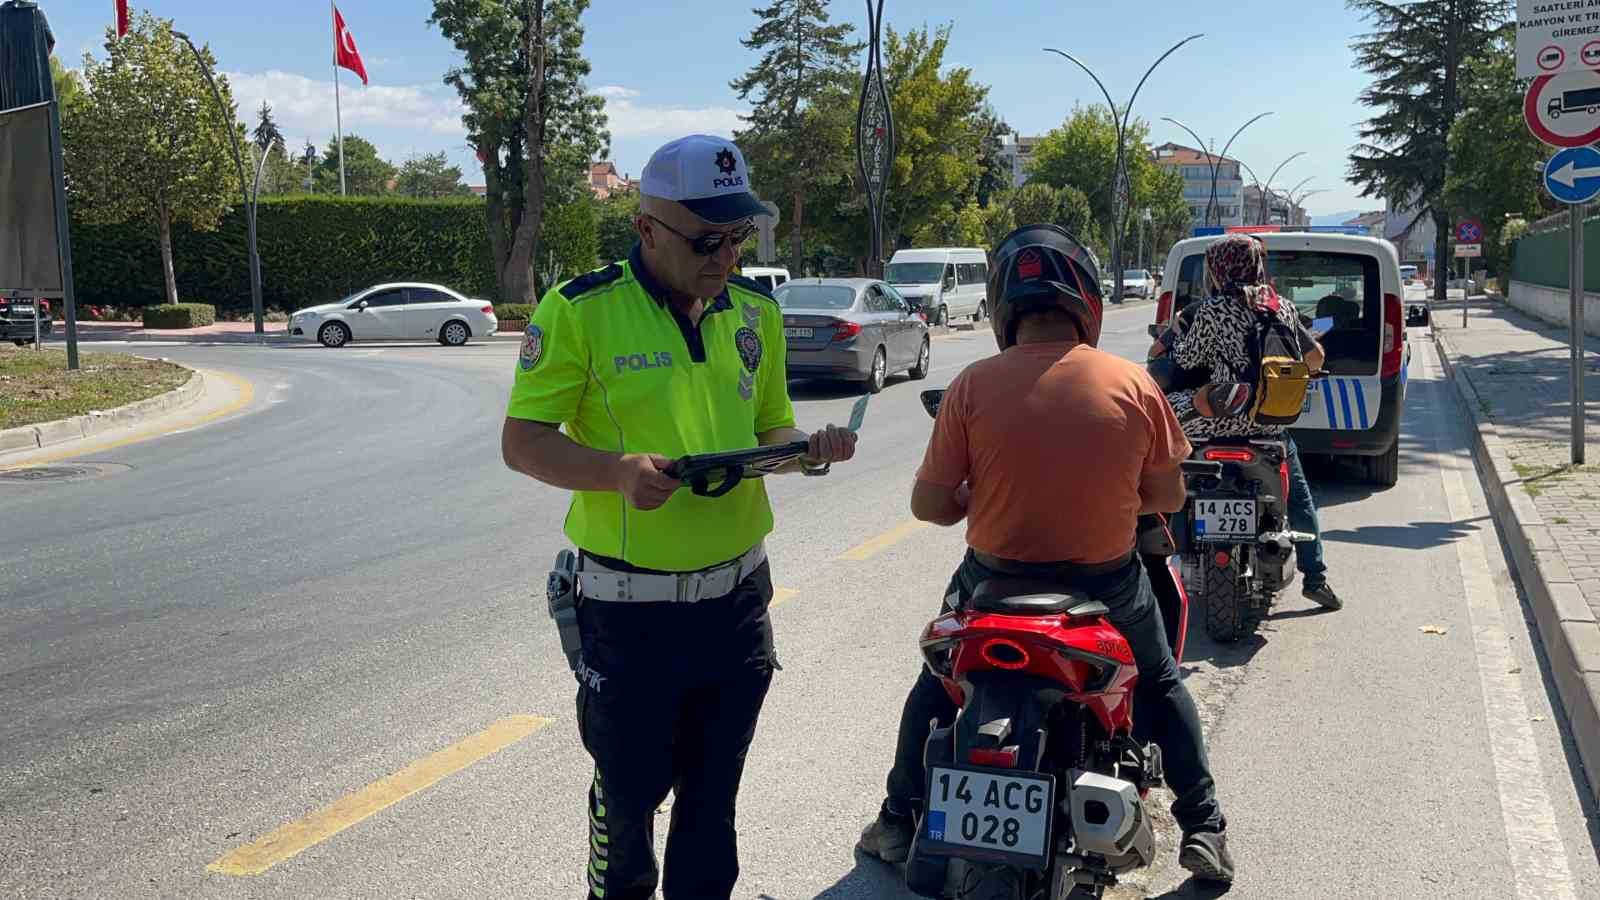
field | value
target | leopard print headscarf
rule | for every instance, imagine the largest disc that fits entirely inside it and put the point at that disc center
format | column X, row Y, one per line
column 1236, row 267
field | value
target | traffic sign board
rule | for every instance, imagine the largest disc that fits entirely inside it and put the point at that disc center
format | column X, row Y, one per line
column 1563, row 110
column 1469, row 251
column 1469, row 231
column 1555, row 37
column 1573, row 175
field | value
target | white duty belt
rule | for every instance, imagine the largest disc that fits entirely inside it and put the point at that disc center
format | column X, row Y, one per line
column 596, row 582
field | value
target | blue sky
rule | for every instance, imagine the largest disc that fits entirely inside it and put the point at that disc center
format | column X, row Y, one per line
column 665, row 68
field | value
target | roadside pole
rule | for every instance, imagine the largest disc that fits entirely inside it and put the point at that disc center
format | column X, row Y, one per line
column 1575, row 330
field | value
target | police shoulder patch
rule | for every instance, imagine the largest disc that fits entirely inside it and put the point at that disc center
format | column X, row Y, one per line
column 587, row 282
column 532, row 347
column 751, row 285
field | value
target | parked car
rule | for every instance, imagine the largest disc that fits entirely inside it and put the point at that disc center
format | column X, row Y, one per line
column 770, row 277
column 1353, row 285
column 856, row 329
column 397, row 312
column 1138, row 283
column 948, row 282
column 18, row 317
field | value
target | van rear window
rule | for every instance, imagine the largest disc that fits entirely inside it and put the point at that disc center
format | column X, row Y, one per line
column 1343, row 287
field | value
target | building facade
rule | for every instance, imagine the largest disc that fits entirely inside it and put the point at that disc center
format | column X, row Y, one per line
column 1018, row 151
column 604, row 180
column 1195, row 168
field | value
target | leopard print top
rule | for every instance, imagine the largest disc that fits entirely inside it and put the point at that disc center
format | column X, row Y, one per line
column 1218, row 340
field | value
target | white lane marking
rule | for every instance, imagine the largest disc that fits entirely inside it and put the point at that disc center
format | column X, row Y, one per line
column 1538, row 853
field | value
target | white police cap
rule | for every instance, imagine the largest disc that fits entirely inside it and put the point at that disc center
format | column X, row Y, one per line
column 706, row 174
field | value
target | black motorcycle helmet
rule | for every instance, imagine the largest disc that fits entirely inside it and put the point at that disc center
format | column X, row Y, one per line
column 1040, row 267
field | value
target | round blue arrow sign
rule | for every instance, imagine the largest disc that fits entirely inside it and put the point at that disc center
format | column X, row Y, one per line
column 1573, row 175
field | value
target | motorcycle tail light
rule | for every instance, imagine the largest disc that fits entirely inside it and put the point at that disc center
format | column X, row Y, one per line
column 1229, row 454
column 1283, row 476
column 1223, row 559
column 1003, row 653
column 994, row 758
column 939, row 657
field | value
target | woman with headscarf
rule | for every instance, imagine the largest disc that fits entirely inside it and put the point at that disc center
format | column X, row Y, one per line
column 1216, row 338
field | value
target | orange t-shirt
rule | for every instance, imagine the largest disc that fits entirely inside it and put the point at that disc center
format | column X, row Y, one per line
column 1054, row 441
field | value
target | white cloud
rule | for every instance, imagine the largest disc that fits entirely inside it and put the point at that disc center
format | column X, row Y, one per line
column 304, row 105
column 629, row 119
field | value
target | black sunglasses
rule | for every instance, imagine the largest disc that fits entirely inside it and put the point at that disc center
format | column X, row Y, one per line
column 707, row 244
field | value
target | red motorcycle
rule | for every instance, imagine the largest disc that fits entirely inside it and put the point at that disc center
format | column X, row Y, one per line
column 1037, row 789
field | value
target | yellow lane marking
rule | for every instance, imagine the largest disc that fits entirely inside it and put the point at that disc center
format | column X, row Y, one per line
column 246, row 396
column 781, row 596
column 884, row 541
column 257, row 857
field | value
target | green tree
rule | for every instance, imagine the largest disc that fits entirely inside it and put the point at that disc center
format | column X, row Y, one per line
column 366, row 174
column 1036, row 201
column 1492, row 153
column 280, row 175
column 529, row 114
column 149, row 141
column 570, row 244
column 1417, row 54
column 615, row 226
column 67, row 85
column 994, row 169
column 267, row 130
column 430, row 176
column 799, row 124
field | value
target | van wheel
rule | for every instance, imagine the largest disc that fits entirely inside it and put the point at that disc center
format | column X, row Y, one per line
column 920, row 370
column 977, row 317
column 942, row 317
column 1384, row 470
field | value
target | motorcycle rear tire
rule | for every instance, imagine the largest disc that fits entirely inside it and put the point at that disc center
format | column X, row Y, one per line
column 1229, row 613
column 980, row 881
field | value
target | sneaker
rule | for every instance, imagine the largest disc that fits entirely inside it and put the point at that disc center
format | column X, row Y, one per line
column 1205, row 854
column 888, row 838
column 1322, row 595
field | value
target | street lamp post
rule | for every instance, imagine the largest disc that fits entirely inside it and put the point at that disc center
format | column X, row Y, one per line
column 1265, row 212
column 1295, row 204
column 1216, row 161
column 874, row 139
column 238, row 161
column 1119, row 177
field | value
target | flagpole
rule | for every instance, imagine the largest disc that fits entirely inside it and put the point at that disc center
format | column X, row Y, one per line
column 338, row 113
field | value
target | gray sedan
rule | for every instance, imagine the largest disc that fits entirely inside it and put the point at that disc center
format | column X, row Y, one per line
column 856, row 329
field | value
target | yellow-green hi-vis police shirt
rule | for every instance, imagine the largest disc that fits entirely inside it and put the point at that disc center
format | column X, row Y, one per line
column 607, row 357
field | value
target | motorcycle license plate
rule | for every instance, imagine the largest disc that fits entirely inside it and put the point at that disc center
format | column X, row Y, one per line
column 988, row 814
column 1224, row 520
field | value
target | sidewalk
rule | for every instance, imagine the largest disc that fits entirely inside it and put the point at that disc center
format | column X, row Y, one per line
column 1511, row 373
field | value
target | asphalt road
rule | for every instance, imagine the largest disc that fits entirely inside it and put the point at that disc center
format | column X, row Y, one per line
column 247, row 625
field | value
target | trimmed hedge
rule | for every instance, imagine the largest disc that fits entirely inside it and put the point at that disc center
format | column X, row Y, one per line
column 313, row 250
column 514, row 311
column 180, row 315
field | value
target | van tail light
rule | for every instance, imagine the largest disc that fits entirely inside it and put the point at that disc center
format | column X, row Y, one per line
column 1164, row 308
column 844, row 331
column 1229, row 454
column 1394, row 335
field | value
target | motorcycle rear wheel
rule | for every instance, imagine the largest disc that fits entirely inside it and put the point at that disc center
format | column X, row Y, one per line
column 1229, row 613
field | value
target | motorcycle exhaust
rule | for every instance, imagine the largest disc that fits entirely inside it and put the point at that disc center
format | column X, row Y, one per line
column 1108, row 819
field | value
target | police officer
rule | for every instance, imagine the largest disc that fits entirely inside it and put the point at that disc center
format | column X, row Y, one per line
column 641, row 362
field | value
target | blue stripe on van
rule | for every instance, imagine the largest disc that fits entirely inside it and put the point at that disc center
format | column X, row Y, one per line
column 1327, row 398
column 1361, row 405
column 1344, row 402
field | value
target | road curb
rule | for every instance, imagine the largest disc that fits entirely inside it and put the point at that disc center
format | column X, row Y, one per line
column 47, row 434
column 1566, row 623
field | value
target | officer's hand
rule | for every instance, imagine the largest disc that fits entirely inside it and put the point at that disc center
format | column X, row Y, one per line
column 830, row 445
column 642, row 482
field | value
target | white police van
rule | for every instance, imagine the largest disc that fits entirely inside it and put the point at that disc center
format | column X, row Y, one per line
column 1355, row 282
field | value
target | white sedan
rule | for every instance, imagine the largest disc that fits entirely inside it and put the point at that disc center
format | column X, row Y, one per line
column 397, row 312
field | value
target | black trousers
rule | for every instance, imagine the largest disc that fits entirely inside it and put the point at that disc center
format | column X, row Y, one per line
column 668, row 698
column 1166, row 712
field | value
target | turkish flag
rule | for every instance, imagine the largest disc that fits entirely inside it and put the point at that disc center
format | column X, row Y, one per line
column 122, row 18
column 345, row 54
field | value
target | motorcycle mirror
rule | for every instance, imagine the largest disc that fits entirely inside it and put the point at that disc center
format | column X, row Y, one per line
column 931, row 401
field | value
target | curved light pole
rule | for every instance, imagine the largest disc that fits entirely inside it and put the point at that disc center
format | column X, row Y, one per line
column 1297, row 203
column 1275, row 175
column 1216, row 160
column 874, row 139
column 238, row 161
column 1120, row 175
column 1252, row 172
